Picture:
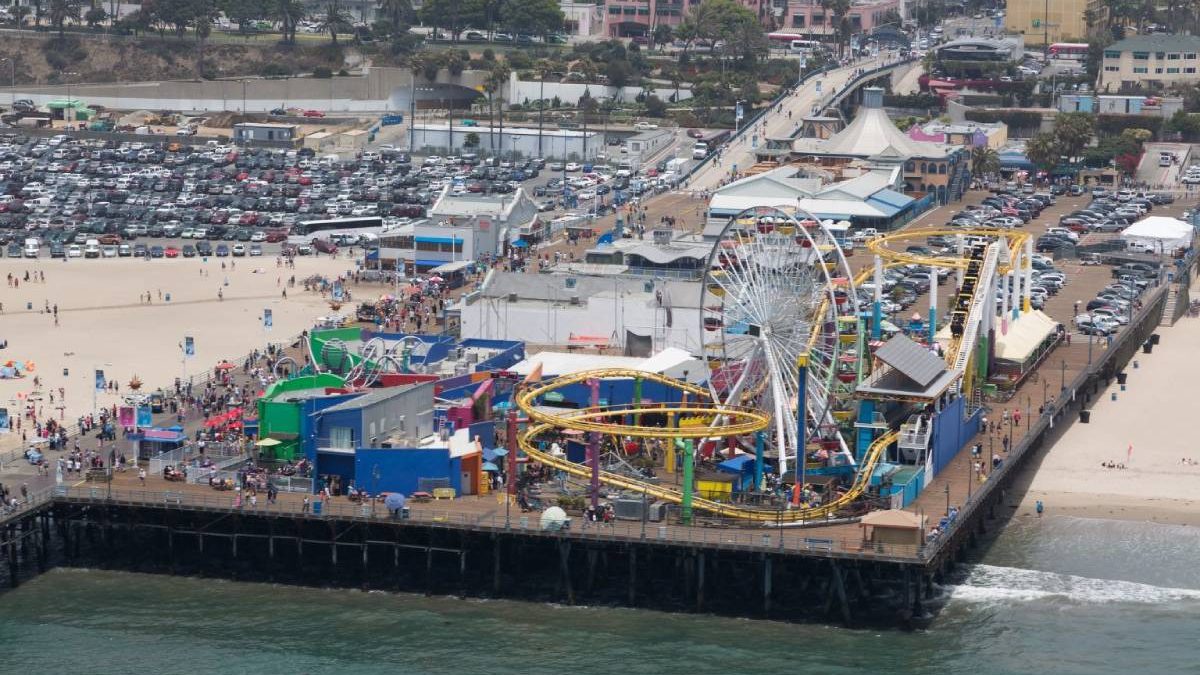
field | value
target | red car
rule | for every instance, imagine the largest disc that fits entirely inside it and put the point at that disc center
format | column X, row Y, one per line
column 171, row 252
column 313, row 113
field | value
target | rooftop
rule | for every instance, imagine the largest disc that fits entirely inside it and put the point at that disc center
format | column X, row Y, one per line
column 1157, row 43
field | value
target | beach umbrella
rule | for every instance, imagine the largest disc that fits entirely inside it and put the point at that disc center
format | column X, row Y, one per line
column 500, row 452
column 489, row 466
column 395, row 501
column 489, row 454
column 553, row 518
column 224, row 365
column 269, row 442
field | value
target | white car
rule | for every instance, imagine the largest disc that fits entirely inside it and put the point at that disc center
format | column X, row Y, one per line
column 1121, row 319
column 74, row 251
column 587, row 195
column 572, row 166
column 645, row 126
column 258, row 236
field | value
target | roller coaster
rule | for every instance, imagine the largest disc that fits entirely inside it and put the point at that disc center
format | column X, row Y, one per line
column 788, row 351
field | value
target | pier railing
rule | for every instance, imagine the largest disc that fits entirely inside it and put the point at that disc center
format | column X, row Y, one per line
column 782, row 540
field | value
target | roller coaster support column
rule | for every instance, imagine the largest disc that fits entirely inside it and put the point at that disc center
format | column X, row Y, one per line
column 801, row 416
column 877, row 307
column 1005, row 292
column 1017, row 283
column 510, row 435
column 1028, row 271
column 593, row 447
column 759, row 441
column 689, row 461
column 933, row 291
column 958, row 272
column 637, row 400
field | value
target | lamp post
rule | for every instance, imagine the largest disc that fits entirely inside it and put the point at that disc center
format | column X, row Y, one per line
column 1064, row 376
column 375, row 475
column 947, row 487
column 12, row 90
column 1091, row 330
column 68, row 110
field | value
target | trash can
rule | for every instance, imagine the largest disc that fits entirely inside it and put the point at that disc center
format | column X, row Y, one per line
column 1147, row 347
column 317, row 507
column 1085, row 416
column 1154, row 338
column 29, row 305
column 404, row 513
column 1121, row 378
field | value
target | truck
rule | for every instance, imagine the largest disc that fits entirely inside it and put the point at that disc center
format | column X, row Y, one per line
column 708, row 142
column 628, row 167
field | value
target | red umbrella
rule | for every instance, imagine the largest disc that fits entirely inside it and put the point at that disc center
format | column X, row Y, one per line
column 225, row 365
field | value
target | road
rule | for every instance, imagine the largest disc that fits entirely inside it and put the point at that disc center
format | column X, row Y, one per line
column 782, row 120
column 1150, row 173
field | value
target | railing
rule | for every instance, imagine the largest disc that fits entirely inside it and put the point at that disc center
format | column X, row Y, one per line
column 199, row 475
column 782, row 540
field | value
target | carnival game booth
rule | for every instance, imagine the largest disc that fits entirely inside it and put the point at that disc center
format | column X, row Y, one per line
column 154, row 441
column 1021, row 345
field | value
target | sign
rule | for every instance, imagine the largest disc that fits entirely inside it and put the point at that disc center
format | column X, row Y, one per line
column 1037, row 23
column 101, row 385
column 125, row 416
column 268, row 319
column 739, row 112
column 189, row 347
column 144, row 416
column 4, row 423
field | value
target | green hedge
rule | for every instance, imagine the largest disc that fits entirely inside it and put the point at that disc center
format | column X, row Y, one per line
column 1113, row 125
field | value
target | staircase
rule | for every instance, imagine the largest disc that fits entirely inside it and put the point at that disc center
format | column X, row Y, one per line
column 1168, row 315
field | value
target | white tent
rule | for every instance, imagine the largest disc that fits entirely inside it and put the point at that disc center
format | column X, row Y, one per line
column 1156, row 234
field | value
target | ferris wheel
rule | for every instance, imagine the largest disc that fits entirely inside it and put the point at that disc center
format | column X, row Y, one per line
column 775, row 289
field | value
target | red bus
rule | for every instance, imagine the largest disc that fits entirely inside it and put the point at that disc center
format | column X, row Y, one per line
column 1069, row 51
column 783, row 40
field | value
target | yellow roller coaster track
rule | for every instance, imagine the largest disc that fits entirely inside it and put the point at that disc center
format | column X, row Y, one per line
column 879, row 246
column 745, row 421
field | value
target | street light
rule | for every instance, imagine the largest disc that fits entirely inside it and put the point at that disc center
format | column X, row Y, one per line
column 13, row 86
column 243, row 97
column 68, row 110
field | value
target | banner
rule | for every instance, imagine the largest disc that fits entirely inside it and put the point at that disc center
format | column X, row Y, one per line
column 3, row 420
column 189, row 347
column 739, row 112
column 144, row 417
column 339, row 293
column 101, row 385
column 268, row 319
column 125, row 416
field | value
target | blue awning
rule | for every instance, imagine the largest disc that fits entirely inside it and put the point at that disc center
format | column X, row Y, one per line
column 438, row 240
column 429, row 263
column 520, row 243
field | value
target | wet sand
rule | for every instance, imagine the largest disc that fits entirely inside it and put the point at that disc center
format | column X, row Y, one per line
column 103, row 323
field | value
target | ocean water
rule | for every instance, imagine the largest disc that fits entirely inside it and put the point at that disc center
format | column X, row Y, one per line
column 1055, row 595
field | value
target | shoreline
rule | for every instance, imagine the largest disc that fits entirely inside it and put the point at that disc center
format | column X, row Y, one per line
column 1110, row 507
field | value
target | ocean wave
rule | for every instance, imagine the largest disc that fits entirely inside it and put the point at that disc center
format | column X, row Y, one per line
column 990, row 583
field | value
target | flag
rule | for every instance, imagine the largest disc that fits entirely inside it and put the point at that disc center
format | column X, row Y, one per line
column 535, row 375
column 101, row 384
column 189, row 346
column 268, row 319
column 1129, row 453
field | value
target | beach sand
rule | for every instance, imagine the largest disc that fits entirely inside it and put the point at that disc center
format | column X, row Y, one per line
column 1155, row 414
column 103, row 323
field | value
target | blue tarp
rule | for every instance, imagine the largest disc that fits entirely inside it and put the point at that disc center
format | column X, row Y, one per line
column 520, row 243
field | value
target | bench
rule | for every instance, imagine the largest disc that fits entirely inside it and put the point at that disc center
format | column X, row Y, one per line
column 444, row 493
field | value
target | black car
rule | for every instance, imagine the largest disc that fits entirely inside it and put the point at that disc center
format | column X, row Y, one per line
column 222, row 251
column 204, row 248
column 14, row 250
column 156, row 251
column 189, row 251
column 140, row 250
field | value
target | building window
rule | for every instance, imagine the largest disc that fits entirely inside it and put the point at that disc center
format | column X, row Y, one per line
column 1191, row 56
column 613, row 9
column 1160, row 55
column 629, row 10
column 798, row 21
column 910, row 166
column 1111, row 69
column 924, row 169
column 341, row 438
column 941, row 168
column 1112, row 55
column 1141, row 55
column 1158, row 71
column 1173, row 57
column 1190, row 71
column 1172, row 71
column 1139, row 71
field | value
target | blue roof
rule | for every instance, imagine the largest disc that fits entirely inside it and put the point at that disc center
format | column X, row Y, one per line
column 892, row 197
column 887, row 209
column 438, row 240
column 738, row 464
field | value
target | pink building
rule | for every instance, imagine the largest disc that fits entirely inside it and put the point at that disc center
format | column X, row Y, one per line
column 632, row 18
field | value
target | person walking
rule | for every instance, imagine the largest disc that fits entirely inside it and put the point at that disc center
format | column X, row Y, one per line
column 142, row 477
column 304, row 505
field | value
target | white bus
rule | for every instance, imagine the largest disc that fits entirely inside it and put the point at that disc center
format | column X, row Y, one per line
column 805, row 46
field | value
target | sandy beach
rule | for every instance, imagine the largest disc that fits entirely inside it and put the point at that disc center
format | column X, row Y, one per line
column 1155, row 416
column 103, row 322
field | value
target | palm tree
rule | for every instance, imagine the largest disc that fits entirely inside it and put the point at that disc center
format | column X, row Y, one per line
column 544, row 67
column 335, row 18
column 421, row 64
column 60, row 11
column 289, row 13
column 839, row 9
column 500, row 73
column 984, row 160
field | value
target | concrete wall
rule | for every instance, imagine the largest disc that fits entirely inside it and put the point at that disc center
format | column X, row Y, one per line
column 523, row 91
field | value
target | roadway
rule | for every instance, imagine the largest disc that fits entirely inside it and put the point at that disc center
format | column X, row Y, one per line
column 781, row 120
column 1150, row 173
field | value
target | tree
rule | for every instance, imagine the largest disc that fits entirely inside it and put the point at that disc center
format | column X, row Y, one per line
column 841, row 23
column 540, row 17
column 1073, row 131
column 289, row 13
column 335, row 18
column 61, row 10
column 471, row 140
column 618, row 73
column 655, row 107
column 662, row 35
column 984, row 160
column 454, row 16
column 399, row 14
column 95, row 16
column 1043, row 150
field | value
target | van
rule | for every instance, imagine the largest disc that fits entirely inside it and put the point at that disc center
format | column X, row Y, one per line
column 92, row 248
column 32, row 248
column 700, row 150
